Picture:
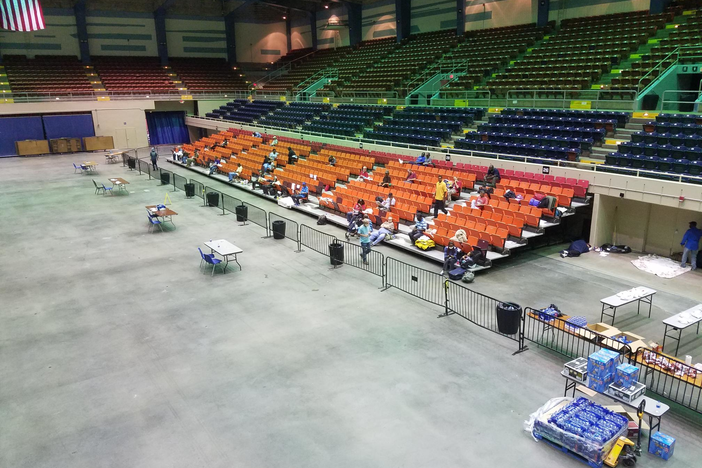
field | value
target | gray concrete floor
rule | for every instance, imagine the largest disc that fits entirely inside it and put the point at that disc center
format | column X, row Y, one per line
column 115, row 351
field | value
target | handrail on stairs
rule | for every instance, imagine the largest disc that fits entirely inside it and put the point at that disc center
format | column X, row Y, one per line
column 437, row 67
column 324, row 73
column 659, row 65
column 282, row 70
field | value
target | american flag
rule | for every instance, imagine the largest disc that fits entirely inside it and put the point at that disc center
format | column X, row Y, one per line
column 21, row 15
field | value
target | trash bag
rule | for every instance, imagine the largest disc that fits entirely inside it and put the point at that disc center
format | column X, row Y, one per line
column 624, row 249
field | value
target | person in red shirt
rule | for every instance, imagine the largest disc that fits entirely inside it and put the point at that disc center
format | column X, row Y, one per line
column 411, row 176
column 364, row 174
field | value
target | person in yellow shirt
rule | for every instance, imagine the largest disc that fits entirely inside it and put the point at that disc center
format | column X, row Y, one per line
column 440, row 197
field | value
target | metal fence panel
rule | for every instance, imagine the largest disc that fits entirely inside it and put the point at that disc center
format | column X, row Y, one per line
column 256, row 215
column 352, row 257
column 230, row 203
column 316, row 240
column 418, row 282
column 162, row 171
column 475, row 307
column 199, row 188
column 144, row 167
column 179, row 182
column 292, row 228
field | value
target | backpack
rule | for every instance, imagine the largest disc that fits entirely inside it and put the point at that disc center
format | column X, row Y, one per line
column 322, row 220
column 468, row 277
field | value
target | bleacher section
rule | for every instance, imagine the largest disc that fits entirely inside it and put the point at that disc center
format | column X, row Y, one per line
column 294, row 114
column 133, row 74
column 242, row 110
column 305, row 68
column 207, row 74
column 486, row 51
column 393, row 72
column 47, row 74
column 687, row 35
column 543, row 133
column 669, row 147
column 579, row 53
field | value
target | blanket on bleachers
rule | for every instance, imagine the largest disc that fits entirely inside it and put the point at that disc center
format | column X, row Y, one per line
column 660, row 266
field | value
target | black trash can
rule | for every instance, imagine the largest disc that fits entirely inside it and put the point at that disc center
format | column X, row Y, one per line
column 242, row 212
column 336, row 254
column 165, row 178
column 131, row 163
column 278, row 229
column 189, row 190
column 212, row 199
column 509, row 315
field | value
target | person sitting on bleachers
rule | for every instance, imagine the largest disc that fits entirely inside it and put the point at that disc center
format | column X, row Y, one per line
column 419, row 227
column 450, row 257
column 481, row 201
column 274, row 141
column 420, row 160
column 456, row 187
column 428, row 161
column 273, row 155
column 267, row 165
column 411, row 176
column 236, row 174
column 492, row 177
column 332, row 160
column 364, row 174
column 385, row 205
column 292, row 157
column 386, row 182
column 303, row 195
column 225, row 142
column 214, row 166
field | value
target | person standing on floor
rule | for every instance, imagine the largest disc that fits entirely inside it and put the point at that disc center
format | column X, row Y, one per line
column 440, row 197
column 364, row 233
column 154, row 158
column 691, row 245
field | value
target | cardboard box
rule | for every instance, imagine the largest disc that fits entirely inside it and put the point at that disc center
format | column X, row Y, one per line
column 599, row 328
column 577, row 369
column 600, row 384
column 601, row 365
column 632, row 418
column 627, row 394
column 662, row 445
column 626, row 375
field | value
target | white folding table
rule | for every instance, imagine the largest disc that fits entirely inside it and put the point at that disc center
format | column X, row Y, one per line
column 225, row 249
column 679, row 322
column 638, row 294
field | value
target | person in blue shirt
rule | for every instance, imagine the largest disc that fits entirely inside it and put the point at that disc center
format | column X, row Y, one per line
column 691, row 245
column 450, row 257
column 420, row 160
column 304, row 193
column 419, row 227
column 364, row 233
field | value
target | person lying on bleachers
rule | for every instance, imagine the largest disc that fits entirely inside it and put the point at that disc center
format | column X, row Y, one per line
column 492, row 177
column 411, row 176
column 420, row 160
column 385, row 232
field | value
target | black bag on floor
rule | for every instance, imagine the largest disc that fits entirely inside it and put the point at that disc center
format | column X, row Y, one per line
column 322, row 220
column 456, row 273
column 616, row 248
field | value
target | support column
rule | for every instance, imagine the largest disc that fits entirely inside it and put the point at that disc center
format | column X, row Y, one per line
column 313, row 29
column 161, row 42
column 658, row 6
column 542, row 13
column 288, row 30
column 403, row 19
column 354, row 13
column 460, row 17
column 229, row 21
column 82, row 30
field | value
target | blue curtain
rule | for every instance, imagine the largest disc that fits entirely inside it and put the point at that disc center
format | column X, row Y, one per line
column 14, row 129
column 68, row 126
column 166, row 128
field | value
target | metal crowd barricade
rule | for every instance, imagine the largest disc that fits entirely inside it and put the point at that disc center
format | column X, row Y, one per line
column 209, row 190
column 418, row 282
column 179, row 182
column 316, row 240
column 292, row 234
column 199, row 188
column 171, row 180
column 256, row 215
column 352, row 257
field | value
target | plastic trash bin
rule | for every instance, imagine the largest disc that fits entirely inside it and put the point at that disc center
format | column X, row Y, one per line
column 278, row 229
column 242, row 212
column 189, row 190
column 165, row 178
column 336, row 254
column 509, row 315
column 131, row 163
column 212, row 199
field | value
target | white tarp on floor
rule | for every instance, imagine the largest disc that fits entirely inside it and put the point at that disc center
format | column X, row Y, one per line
column 660, row 266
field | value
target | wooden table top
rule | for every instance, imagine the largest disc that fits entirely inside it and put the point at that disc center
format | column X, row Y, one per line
column 118, row 181
column 165, row 212
column 90, row 163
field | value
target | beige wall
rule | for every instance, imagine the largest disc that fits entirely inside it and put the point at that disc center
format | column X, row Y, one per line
column 645, row 227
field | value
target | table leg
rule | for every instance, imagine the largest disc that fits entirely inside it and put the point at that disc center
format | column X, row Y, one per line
column 677, row 346
column 602, row 314
column 237, row 261
column 650, row 305
column 665, row 335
